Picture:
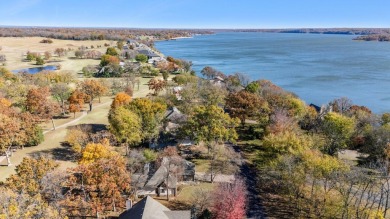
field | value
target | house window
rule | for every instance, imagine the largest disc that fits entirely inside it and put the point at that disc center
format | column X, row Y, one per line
column 162, row 190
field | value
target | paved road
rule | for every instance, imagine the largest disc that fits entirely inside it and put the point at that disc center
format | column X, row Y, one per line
column 248, row 173
column 68, row 123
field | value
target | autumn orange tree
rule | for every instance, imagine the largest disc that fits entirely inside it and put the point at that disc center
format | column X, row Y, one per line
column 120, row 99
column 9, row 128
column 76, row 101
column 17, row 128
column 93, row 89
column 106, row 184
column 39, row 104
column 244, row 104
column 108, row 59
column 31, row 133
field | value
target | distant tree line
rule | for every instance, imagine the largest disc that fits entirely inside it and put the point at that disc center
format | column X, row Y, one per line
column 97, row 34
column 348, row 31
column 374, row 37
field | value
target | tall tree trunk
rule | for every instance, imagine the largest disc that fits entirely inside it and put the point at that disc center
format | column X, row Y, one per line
column 113, row 203
column 7, row 155
column 167, row 184
column 387, row 198
column 127, row 149
column 63, row 107
column 52, row 122
column 212, row 172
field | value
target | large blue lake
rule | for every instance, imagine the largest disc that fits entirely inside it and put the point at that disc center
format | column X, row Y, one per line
column 316, row 67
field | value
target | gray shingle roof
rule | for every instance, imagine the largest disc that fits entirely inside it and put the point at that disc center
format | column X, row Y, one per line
column 148, row 53
column 148, row 208
column 159, row 177
column 174, row 115
column 178, row 214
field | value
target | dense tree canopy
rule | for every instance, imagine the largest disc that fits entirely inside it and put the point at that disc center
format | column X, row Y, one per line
column 29, row 174
column 141, row 58
column 111, row 51
column 105, row 182
column 210, row 124
column 338, row 129
column 125, row 125
column 244, row 104
column 151, row 114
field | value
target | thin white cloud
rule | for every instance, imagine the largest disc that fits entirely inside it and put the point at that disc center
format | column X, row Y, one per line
column 18, row 6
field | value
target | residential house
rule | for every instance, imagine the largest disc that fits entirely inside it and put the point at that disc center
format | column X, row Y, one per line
column 160, row 182
column 132, row 43
column 148, row 208
column 152, row 57
column 218, row 81
column 173, row 119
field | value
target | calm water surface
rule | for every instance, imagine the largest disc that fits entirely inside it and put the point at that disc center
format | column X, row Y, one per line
column 317, row 67
column 36, row 69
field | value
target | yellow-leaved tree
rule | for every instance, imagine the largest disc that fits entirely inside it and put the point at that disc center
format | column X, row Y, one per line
column 96, row 151
column 287, row 142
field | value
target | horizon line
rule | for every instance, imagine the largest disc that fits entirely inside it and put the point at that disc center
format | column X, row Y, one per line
column 188, row 28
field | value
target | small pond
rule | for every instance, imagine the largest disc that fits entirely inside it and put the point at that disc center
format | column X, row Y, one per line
column 36, row 69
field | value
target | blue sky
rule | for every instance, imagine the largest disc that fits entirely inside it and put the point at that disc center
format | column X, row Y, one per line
column 196, row 13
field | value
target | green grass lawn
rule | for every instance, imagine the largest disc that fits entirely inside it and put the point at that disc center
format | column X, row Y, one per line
column 186, row 192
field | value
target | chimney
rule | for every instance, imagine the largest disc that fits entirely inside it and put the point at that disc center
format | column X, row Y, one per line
column 129, row 204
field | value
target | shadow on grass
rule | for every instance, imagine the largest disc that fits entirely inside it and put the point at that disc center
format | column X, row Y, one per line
column 63, row 153
column 62, row 117
column 93, row 128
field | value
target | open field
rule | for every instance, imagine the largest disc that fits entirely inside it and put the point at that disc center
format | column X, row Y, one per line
column 15, row 49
